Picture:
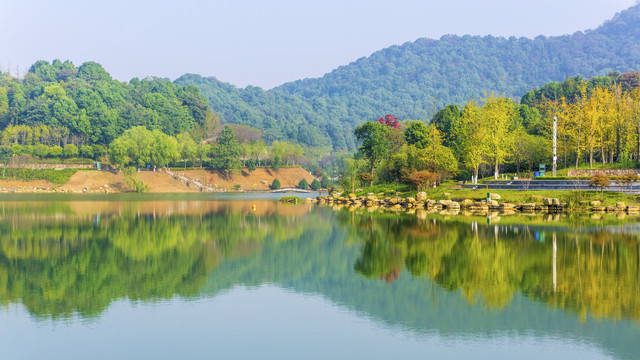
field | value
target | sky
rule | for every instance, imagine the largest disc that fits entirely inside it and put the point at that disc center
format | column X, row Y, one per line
column 262, row 43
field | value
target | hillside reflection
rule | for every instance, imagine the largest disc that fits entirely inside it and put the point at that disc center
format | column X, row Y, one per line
column 62, row 259
column 66, row 258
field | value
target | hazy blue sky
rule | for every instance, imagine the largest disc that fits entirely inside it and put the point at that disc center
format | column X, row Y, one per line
column 262, row 43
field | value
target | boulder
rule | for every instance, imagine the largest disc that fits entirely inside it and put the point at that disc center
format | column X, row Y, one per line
column 633, row 209
column 421, row 196
column 621, row 205
column 595, row 203
column 466, row 202
column 495, row 196
column 444, row 203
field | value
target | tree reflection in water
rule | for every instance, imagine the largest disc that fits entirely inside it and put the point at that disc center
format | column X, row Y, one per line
column 571, row 264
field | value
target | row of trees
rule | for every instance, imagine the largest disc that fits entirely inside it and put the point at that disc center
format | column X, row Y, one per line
column 142, row 147
column 598, row 121
column 600, row 125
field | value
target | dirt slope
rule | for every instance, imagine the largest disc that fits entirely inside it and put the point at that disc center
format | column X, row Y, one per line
column 160, row 182
column 94, row 181
column 260, row 179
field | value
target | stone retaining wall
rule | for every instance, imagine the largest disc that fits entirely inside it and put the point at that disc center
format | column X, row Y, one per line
column 606, row 172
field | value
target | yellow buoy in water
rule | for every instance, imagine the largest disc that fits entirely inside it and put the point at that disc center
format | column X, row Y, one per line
column 253, row 207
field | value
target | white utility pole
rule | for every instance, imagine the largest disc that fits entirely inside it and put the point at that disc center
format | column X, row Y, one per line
column 555, row 144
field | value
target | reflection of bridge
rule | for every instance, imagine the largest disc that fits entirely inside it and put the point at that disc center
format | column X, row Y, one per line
column 293, row 190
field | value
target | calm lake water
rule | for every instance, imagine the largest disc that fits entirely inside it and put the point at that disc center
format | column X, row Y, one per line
column 175, row 277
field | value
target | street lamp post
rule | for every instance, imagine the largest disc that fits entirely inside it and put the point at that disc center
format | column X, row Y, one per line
column 555, row 144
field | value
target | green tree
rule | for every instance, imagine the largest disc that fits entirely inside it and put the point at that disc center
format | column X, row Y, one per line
column 324, row 182
column 165, row 149
column 374, row 142
column 315, row 185
column 70, row 151
column 86, row 151
column 55, row 151
column 446, row 120
column 275, row 163
column 349, row 168
column 471, row 135
column 5, row 156
column 303, row 184
column 600, row 181
column 417, row 133
column 275, row 184
column 251, row 165
column 188, row 147
column 497, row 113
column 228, row 152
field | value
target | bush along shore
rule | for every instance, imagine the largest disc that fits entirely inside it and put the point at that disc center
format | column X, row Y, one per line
column 466, row 206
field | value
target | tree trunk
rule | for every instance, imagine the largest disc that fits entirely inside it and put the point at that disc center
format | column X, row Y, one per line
column 372, row 167
column 495, row 172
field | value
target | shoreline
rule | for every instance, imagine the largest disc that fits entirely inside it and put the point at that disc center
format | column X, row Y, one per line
column 467, row 206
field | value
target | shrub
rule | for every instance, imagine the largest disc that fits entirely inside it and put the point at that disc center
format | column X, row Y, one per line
column 303, row 184
column 275, row 163
column 315, row 184
column 70, row 151
column 86, row 151
column 55, row 151
column 600, row 181
column 325, row 182
column 132, row 180
column 251, row 165
column 275, row 184
column 55, row 176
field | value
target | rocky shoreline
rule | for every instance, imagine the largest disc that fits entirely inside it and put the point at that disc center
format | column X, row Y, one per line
column 467, row 206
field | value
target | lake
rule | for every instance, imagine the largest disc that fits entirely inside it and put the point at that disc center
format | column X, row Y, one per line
column 228, row 276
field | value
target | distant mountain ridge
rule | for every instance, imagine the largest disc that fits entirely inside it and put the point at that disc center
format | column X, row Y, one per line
column 411, row 79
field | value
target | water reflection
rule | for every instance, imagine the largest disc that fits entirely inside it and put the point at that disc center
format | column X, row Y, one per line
column 65, row 258
column 567, row 265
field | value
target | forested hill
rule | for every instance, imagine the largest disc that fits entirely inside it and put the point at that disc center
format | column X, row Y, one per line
column 58, row 103
column 279, row 116
column 408, row 80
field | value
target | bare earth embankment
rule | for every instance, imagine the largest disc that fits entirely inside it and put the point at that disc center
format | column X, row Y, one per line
column 90, row 181
column 258, row 180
